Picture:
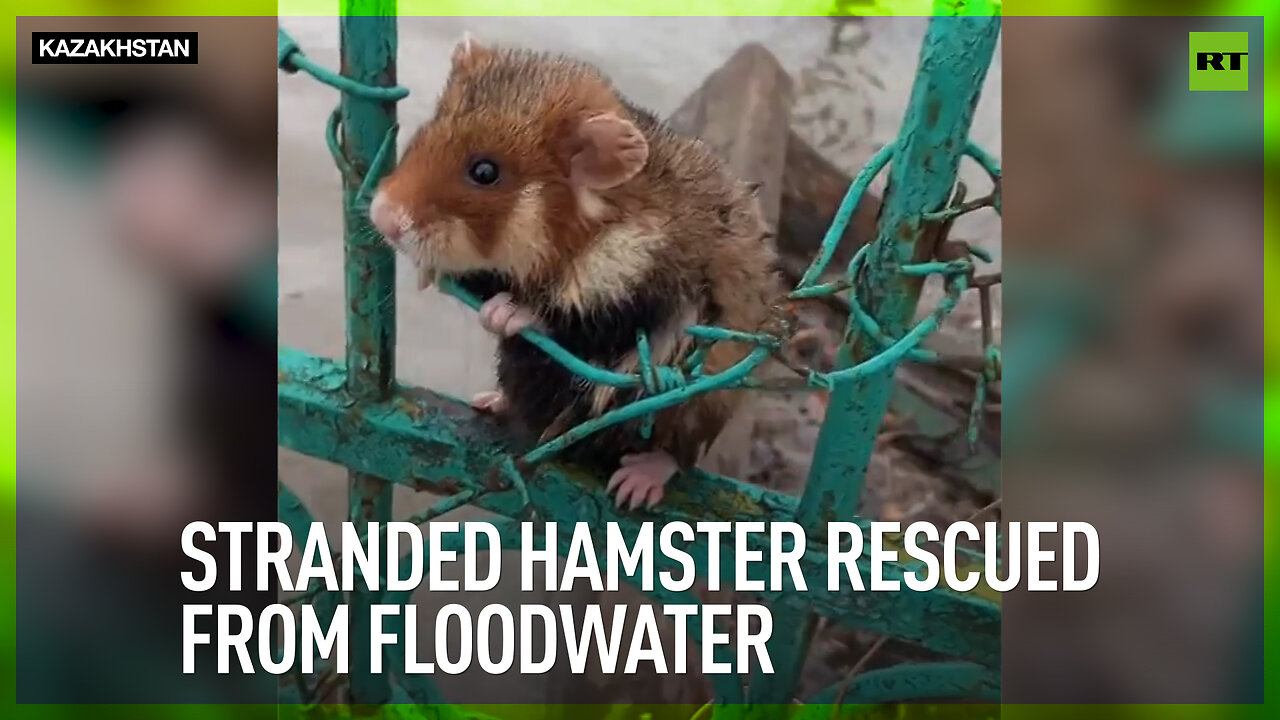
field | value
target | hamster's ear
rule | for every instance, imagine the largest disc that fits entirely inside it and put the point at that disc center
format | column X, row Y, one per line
column 606, row 152
column 468, row 51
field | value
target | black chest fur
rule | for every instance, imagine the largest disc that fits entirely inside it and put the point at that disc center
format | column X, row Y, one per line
column 540, row 391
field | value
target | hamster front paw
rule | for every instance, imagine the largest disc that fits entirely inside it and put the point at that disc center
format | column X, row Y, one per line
column 502, row 317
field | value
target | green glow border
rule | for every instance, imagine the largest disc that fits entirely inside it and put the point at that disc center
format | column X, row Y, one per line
column 1011, row 8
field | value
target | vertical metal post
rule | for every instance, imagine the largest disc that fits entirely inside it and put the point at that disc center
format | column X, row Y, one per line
column 954, row 60
column 367, row 40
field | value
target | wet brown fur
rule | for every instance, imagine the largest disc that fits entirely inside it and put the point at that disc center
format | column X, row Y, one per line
column 682, row 220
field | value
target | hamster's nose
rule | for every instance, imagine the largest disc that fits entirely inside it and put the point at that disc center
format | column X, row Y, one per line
column 386, row 216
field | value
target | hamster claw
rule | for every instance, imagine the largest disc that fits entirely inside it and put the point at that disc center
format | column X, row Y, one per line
column 501, row 316
column 642, row 478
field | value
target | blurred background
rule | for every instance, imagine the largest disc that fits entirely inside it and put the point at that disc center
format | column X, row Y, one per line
column 147, row 247
column 1134, row 358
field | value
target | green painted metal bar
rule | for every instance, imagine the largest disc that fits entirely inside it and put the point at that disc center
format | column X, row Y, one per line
column 367, row 44
column 954, row 60
column 953, row 66
column 437, row 444
column 431, row 442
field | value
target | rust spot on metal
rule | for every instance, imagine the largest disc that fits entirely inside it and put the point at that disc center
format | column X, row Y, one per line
column 494, row 480
column 437, row 453
column 574, row 474
column 389, row 78
column 523, row 467
column 443, row 486
column 734, row 504
column 932, row 109
column 827, row 507
column 410, row 408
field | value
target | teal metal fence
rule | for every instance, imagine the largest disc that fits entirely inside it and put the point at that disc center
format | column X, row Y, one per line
column 354, row 412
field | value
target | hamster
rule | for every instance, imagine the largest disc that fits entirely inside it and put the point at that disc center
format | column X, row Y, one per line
column 567, row 208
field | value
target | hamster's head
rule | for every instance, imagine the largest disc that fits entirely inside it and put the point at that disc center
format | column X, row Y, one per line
column 508, row 174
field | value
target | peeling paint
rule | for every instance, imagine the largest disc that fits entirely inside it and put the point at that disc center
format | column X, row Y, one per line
column 444, row 456
column 922, row 173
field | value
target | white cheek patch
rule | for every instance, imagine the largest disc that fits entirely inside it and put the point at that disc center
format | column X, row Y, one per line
column 524, row 245
column 608, row 271
column 461, row 243
column 449, row 246
column 522, row 248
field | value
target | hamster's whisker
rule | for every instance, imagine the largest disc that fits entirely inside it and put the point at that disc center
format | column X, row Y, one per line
column 366, row 234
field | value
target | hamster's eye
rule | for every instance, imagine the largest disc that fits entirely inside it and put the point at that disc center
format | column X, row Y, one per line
column 483, row 172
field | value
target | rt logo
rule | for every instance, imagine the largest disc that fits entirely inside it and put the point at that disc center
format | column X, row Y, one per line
column 1219, row 61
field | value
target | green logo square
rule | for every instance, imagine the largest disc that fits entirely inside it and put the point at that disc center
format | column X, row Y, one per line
column 1219, row 61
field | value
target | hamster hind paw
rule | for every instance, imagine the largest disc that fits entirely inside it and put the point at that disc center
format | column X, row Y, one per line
column 490, row 401
column 642, row 478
